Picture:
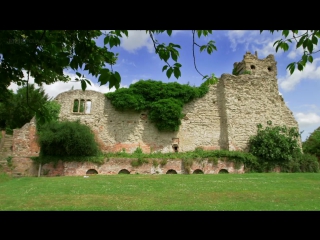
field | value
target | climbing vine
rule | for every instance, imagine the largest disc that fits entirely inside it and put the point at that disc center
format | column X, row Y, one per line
column 164, row 101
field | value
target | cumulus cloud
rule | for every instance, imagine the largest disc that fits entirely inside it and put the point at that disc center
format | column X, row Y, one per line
column 308, row 122
column 58, row 87
column 254, row 41
column 311, row 71
column 236, row 37
column 137, row 39
column 307, row 119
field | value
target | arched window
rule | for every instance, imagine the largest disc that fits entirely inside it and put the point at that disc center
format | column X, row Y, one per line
column 82, row 106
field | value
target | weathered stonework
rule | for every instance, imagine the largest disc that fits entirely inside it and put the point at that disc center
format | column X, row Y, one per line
column 224, row 118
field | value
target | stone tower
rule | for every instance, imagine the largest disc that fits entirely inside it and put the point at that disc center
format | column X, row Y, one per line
column 257, row 67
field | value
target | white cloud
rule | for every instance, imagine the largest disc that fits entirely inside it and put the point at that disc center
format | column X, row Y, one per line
column 308, row 122
column 137, row 39
column 306, row 119
column 298, row 52
column 295, row 52
column 236, row 37
column 134, row 81
column 310, row 71
column 58, row 87
column 254, row 41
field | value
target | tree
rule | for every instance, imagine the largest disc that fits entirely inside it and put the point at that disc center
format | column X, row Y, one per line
column 44, row 54
column 16, row 111
column 307, row 40
column 312, row 144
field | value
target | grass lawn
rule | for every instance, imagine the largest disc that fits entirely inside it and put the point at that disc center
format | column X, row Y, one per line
column 169, row 192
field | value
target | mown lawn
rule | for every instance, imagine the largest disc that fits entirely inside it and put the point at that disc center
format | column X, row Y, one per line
column 170, row 192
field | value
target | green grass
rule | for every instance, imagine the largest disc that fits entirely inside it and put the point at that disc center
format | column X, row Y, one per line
column 171, row 192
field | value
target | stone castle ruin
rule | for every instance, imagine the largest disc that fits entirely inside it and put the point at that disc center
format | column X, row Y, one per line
column 224, row 118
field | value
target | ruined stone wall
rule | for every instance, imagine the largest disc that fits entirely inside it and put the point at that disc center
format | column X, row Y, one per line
column 252, row 99
column 25, row 141
column 224, row 118
column 116, row 130
column 113, row 166
column 256, row 66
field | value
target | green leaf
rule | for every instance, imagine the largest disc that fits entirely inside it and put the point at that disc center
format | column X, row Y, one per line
column 87, row 66
column 203, row 47
column 78, row 74
column 300, row 67
column 117, row 76
column 199, row 33
column 285, row 33
column 310, row 46
column 114, row 80
column 104, row 76
column 106, row 40
column 174, row 56
column 169, row 32
column 291, row 67
column 169, row 72
column 310, row 58
column 125, row 32
column 301, row 41
column 83, row 85
column 305, row 43
column 176, row 72
column 177, row 65
column 314, row 40
column 164, row 67
column 276, row 42
column 304, row 59
column 88, row 81
column 317, row 33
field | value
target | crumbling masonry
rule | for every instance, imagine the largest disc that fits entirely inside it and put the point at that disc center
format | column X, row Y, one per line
column 224, row 118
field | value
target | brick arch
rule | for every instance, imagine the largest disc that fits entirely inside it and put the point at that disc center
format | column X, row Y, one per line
column 92, row 171
column 123, row 171
column 198, row 171
column 171, row 171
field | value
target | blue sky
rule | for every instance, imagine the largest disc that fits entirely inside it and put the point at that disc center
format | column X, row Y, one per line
column 137, row 60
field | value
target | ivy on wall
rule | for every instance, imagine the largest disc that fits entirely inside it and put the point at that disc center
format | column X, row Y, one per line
column 164, row 101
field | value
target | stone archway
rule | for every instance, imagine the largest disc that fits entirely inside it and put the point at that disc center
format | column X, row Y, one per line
column 171, row 171
column 92, row 171
column 123, row 171
column 198, row 171
column 223, row 171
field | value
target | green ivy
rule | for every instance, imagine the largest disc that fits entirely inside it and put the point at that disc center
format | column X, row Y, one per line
column 164, row 101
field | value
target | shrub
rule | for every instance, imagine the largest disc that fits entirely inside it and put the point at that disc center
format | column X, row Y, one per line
column 312, row 144
column 67, row 138
column 274, row 146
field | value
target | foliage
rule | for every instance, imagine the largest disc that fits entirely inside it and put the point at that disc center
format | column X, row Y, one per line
column 236, row 72
column 98, row 158
column 53, row 109
column 164, row 101
column 307, row 40
column 67, row 138
column 312, row 144
column 45, row 54
column 274, row 144
column 212, row 156
column 19, row 108
column 246, row 72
